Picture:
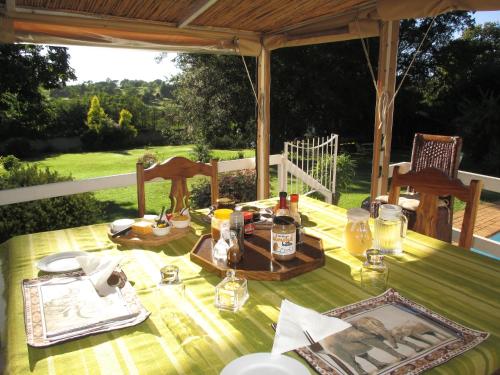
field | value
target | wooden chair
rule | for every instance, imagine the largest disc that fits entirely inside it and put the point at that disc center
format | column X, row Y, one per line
column 432, row 183
column 177, row 169
column 429, row 151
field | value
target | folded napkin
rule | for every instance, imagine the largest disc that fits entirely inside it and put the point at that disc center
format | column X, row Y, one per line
column 99, row 269
column 294, row 320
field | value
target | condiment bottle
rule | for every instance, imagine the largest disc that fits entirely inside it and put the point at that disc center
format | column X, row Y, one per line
column 235, row 252
column 236, row 224
column 225, row 203
column 283, row 241
column 220, row 225
column 249, row 225
column 282, row 208
column 294, row 212
column 357, row 234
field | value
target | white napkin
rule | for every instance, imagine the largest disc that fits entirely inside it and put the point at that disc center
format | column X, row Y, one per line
column 295, row 319
column 99, row 268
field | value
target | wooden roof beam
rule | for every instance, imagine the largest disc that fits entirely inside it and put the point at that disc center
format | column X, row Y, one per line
column 200, row 8
column 354, row 30
column 76, row 29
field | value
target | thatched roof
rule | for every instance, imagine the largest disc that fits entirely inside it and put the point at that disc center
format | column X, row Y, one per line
column 209, row 25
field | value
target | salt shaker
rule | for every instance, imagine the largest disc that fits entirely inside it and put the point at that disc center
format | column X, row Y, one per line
column 374, row 273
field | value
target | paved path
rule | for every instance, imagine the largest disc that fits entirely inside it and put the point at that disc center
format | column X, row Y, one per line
column 487, row 221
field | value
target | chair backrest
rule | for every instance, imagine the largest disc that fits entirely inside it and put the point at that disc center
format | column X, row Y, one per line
column 432, row 183
column 436, row 151
column 177, row 169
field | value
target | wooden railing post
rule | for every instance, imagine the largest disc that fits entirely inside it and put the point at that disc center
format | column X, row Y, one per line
column 263, row 123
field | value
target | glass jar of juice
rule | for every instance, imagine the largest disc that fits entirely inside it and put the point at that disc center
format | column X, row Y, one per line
column 220, row 224
column 357, row 234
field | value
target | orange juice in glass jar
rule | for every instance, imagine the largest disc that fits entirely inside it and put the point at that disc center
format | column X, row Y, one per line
column 357, row 234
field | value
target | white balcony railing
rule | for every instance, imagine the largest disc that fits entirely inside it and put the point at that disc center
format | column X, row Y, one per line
column 490, row 183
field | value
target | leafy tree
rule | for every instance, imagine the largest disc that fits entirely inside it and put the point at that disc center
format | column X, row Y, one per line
column 125, row 124
column 216, row 99
column 25, row 69
column 316, row 89
column 96, row 117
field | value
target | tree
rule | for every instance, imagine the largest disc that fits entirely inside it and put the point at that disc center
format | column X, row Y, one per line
column 316, row 89
column 216, row 99
column 125, row 124
column 25, row 69
column 96, row 117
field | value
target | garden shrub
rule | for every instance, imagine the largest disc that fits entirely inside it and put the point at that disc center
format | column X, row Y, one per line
column 45, row 214
column 240, row 186
column 10, row 162
column 148, row 159
column 346, row 170
column 201, row 152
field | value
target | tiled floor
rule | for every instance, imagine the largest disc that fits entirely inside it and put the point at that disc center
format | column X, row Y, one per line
column 487, row 220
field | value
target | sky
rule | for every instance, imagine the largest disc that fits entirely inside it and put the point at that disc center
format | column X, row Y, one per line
column 98, row 63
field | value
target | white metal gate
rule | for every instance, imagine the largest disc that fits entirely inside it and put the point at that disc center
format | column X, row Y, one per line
column 310, row 165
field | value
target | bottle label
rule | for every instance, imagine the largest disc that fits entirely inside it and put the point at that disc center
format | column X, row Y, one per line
column 283, row 243
column 249, row 228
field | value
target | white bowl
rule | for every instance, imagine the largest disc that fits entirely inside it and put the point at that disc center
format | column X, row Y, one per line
column 160, row 232
column 180, row 224
column 121, row 224
column 151, row 218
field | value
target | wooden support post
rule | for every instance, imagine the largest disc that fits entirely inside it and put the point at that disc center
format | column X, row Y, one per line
column 263, row 123
column 384, row 107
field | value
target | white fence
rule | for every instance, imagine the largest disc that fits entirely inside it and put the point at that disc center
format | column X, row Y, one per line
column 489, row 183
column 310, row 165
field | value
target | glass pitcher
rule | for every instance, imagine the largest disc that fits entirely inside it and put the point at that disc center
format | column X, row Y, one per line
column 390, row 229
column 357, row 234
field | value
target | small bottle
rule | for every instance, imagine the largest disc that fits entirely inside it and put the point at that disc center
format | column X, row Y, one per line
column 235, row 253
column 249, row 225
column 283, row 241
column 236, row 227
column 282, row 208
column 294, row 212
column 374, row 273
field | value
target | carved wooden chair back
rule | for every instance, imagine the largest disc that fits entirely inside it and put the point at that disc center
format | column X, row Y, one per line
column 432, row 183
column 178, row 169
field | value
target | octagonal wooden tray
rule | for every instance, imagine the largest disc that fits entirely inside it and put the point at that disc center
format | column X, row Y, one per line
column 257, row 262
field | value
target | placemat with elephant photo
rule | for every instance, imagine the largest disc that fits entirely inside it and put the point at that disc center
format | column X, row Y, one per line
column 390, row 334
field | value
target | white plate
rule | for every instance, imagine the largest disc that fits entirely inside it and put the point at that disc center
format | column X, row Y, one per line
column 121, row 224
column 265, row 364
column 61, row 262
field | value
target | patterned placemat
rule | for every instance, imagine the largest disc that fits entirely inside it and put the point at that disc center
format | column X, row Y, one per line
column 64, row 307
column 390, row 334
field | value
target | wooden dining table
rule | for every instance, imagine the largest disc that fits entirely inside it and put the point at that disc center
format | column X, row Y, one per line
column 189, row 335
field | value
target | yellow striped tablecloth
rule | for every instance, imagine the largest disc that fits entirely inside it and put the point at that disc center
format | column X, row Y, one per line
column 461, row 285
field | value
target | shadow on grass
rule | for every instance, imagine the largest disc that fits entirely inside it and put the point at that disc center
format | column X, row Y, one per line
column 113, row 210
